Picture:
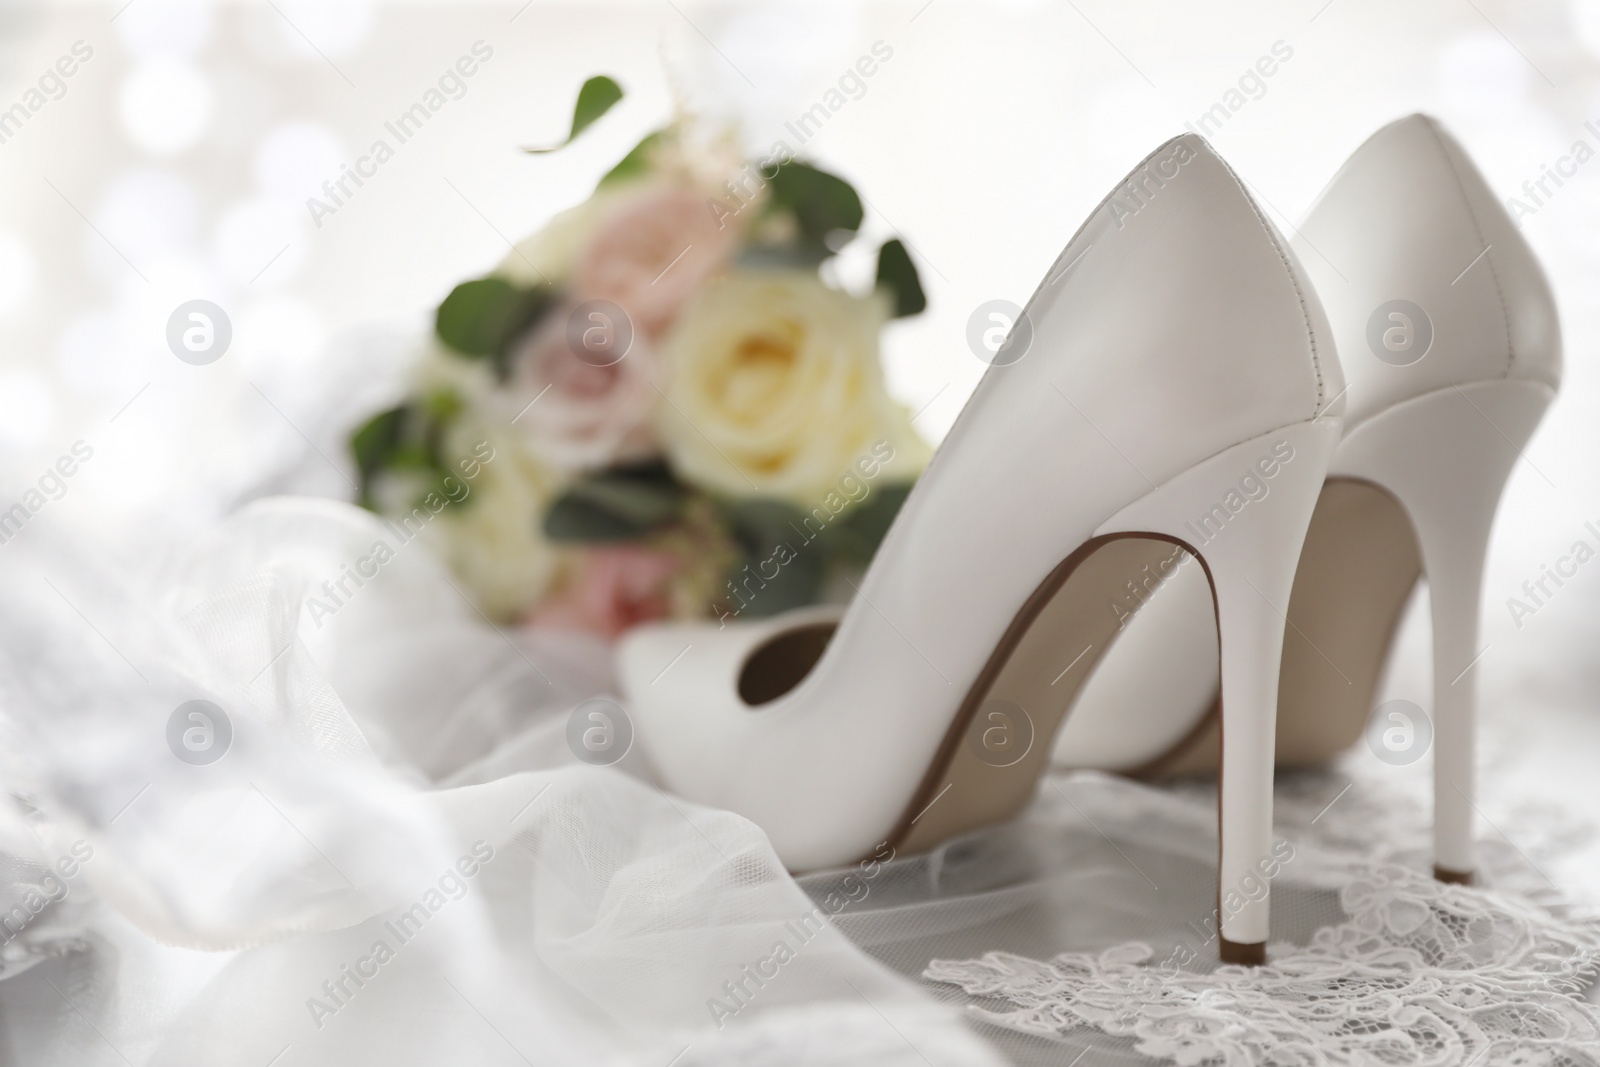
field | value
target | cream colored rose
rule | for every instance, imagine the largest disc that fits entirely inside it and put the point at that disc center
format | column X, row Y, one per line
column 774, row 387
column 490, row 536
column 493, row 541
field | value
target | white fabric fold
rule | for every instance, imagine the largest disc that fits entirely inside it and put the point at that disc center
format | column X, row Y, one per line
column 395, row 859
column 398, row 859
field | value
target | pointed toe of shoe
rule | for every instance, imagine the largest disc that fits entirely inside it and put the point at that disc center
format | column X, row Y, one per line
column 647, row 654
column 681, row 682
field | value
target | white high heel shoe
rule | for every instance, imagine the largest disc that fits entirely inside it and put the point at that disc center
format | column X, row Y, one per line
column 1452, row 351
column 1182, row 364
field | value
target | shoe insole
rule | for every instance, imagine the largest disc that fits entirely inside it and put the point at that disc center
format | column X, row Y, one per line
column 999, row 743
column 1357, row 569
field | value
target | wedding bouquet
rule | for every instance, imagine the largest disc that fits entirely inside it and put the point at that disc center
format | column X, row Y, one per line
column 660, row 405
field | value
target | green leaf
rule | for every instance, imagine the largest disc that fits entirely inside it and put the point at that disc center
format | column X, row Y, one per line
column 855, row 536
column 376, row 442
column 779, row 568
column 771, row 584
column 616, row 505
column 482, row 318
column 788, row 256
column 635, row 163
column 822, row 203
column 403, row 439
column 898, row 275
column 475, row 316
column 767, row 585
column 407, row 440
column 597, row 96
column 574, row 519
column 760, row 523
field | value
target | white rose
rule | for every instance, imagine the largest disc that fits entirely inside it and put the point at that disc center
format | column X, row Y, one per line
column 774, row 387
column 493, row 540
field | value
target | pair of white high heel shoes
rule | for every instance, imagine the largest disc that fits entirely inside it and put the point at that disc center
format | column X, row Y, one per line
column 1181, row 390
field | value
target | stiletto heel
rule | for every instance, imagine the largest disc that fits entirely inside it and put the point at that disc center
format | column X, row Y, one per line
column 1444, row 458
column 1165, row 369
column 1439, row 409
column 1244, row 514
column 1452, row 349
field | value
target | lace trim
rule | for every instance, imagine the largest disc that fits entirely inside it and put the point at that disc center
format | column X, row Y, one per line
column 1420, row 973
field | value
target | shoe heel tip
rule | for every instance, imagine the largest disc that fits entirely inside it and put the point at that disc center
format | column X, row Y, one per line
column 1253, row 954
column 1445, row 874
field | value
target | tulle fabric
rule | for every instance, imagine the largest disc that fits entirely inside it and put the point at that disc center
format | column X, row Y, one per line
column 231, row 913
column 399, row 776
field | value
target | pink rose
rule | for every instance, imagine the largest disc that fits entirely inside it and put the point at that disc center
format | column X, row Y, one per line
column 651, row 254
column 611, row 589
column 575, row 415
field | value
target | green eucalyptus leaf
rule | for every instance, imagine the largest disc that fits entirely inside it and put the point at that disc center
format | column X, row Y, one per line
column 615, row 505
column 635, row 163
column 574, row 519
column 597, row 96
column 822, row 203
column 481, row 318
column 476, row 314
column 404, row 440
column 770, row 584
column 376, row 442
column 759, row 523
column 898, row 275
column 780, row 256
column 779, row 568
column 639, row 503
column 855, row 536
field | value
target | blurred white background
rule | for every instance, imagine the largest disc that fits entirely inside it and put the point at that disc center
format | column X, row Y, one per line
column 177, row 163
